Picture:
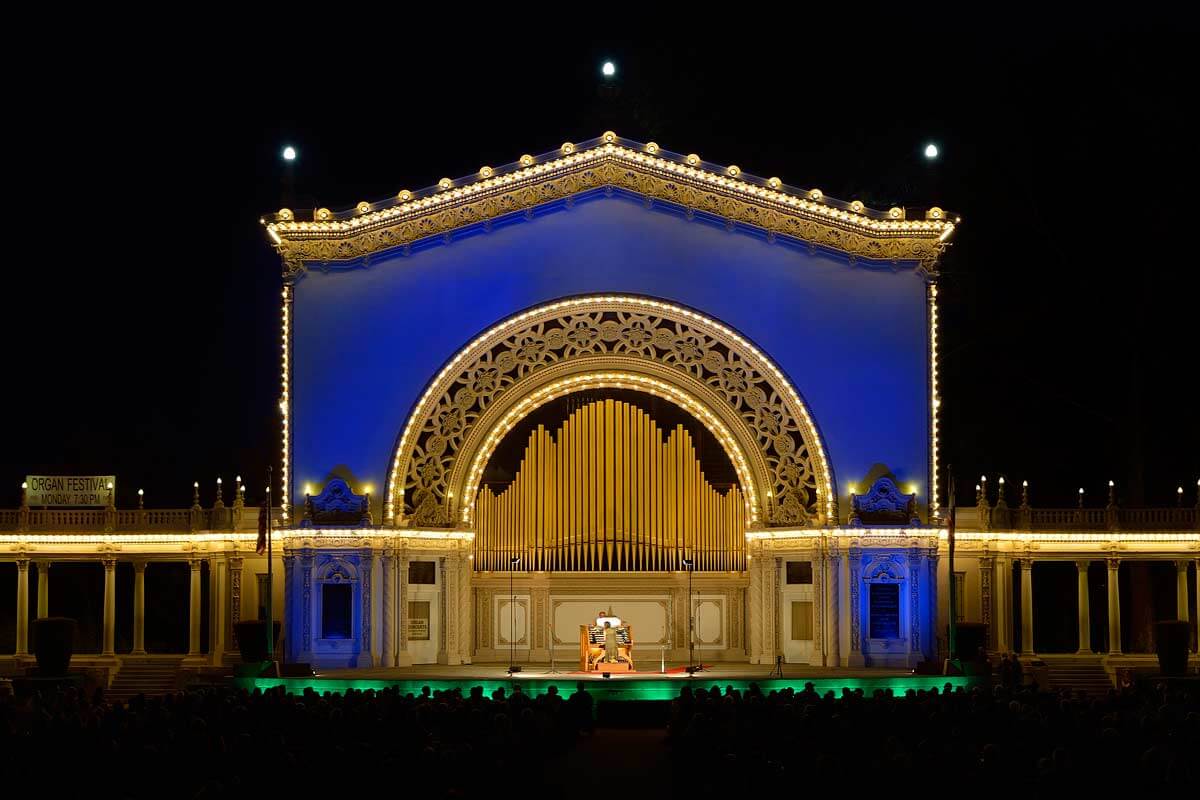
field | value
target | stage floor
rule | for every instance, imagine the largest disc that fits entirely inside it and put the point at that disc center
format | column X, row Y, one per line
column 634, row 686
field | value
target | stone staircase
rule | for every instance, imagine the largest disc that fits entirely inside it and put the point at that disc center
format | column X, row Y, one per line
column 149, row 675
column 1087, row 677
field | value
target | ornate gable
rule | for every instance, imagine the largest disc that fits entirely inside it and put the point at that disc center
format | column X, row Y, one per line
column 606, row 163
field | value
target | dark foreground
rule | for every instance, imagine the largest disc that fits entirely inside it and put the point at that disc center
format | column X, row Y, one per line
column 717, row 743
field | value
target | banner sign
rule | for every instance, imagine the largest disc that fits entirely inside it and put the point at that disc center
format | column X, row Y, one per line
column 68, row 490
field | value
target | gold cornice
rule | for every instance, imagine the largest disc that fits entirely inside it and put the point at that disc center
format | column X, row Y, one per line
column 606, row 162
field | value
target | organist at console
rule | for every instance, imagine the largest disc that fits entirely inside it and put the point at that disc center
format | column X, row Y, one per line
column 606, row 646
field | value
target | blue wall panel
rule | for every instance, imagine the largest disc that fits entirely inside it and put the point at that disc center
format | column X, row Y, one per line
column 853, row 339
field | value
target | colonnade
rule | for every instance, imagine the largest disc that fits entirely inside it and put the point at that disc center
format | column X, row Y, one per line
column 1001, row 609
column 225, row 603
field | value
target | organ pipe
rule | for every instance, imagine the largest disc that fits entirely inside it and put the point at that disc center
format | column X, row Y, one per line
column 610, row 491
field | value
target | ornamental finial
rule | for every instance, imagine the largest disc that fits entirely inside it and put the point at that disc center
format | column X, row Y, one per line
column 1001, row 504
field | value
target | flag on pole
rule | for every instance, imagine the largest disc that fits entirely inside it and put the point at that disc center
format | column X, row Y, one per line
column 264, row 514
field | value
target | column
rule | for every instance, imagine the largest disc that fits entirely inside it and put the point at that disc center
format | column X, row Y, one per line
column 110, row 606
column 1026, row 606
column 194, row 610
column 366, row 655
column 939, row 625
column 448, row 569
column 22, row 606
column 139, row 608
column 389, row 611
column 43, row 607
column 833, row 591
column 987, row 596
column 1085, row 611
column 235, row 601
column 1002, row 604
column 1114, row 608
column 217, row 610
column 1000, row 614
column 1198, row 602
column 755, row 593
column 403, row 659
column 291, row 630
column 843, row 584
column 854, row 656
column 1181, row 592
column 466, row 630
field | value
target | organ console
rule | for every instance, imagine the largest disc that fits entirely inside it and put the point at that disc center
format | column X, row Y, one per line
column 593, row 652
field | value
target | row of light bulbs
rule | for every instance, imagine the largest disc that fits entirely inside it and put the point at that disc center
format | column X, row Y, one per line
column 981, row 487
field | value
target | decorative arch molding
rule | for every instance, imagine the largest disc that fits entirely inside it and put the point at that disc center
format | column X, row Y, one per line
column 336, row 570
column 594, row 372
column 706, row 363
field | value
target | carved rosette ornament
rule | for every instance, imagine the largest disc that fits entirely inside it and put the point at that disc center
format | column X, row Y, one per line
column 674, row 344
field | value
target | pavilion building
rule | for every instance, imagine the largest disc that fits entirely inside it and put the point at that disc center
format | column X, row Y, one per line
column 615, row 377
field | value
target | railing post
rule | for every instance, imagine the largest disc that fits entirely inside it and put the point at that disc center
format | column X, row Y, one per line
column 981, row 504
column 110, row 512
column 1026, row 512
column 239, row 504
column 195, row 520
column 1112, row 514
column 23, row 514
column 1000, row 512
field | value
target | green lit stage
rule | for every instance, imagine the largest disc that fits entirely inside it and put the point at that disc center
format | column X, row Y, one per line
column 618, row 688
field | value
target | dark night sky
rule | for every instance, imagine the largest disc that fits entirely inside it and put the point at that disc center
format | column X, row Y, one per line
column 143, row 317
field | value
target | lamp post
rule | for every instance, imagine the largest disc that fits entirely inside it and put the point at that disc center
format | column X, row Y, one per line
column 512, row 617
column 687, row 562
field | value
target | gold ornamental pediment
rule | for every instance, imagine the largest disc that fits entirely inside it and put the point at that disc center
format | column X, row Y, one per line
column 609, row 163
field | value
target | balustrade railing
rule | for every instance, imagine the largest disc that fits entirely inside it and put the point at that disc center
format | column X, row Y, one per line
column 179, row 520
column 1080, row 519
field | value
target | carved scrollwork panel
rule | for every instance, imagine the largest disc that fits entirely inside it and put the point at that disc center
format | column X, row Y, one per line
column 680, row 340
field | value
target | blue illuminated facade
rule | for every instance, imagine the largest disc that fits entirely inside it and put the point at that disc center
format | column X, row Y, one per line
column 397, row 311
column 851, row 336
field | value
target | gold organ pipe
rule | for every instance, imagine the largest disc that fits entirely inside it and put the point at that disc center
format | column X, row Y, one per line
column 610, row 491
